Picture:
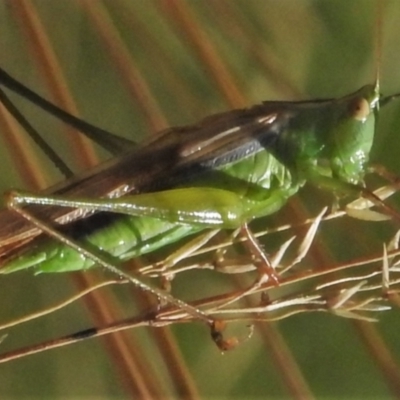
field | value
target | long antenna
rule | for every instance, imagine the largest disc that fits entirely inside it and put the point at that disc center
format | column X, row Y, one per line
column 378, row 54
column 378, row 43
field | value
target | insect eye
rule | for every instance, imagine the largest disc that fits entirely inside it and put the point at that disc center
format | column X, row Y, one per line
column 359, row 109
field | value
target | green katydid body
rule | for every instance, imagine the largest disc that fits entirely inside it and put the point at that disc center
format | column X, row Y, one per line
column 227, row 170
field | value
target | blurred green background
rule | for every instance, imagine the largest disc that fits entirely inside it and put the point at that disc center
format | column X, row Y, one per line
column 198, row 58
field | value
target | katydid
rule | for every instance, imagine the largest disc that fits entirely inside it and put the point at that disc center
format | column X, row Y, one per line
column 223, row 172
